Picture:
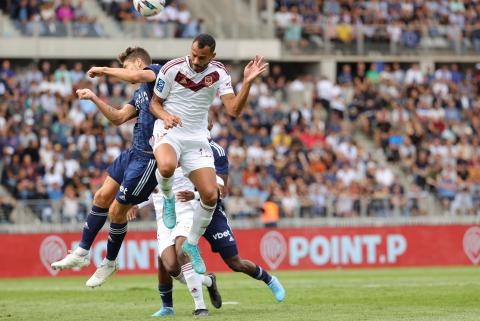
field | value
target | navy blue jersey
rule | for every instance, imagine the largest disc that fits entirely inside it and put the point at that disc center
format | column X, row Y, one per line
column 218, row 233
column 220, row 157
column 143, row 129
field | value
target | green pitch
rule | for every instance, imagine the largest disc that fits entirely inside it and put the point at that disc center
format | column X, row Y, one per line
column 393, row 294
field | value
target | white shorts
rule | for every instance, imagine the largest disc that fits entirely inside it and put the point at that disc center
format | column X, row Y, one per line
column 165, row 236
column 193, row 152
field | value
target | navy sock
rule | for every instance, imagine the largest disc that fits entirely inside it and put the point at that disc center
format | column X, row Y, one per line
column 166, row 291
column 261, row 274
column 94, row 223
column 115, row 238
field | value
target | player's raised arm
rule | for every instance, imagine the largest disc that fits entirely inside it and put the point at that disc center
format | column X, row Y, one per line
column 116, row 116
column 160, row 93
column 132, row 76
column 136, row 63
column 235, row 104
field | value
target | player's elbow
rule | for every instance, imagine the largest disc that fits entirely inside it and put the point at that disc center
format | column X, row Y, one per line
column 233, row 112
column 117, row 122
column 137, row 77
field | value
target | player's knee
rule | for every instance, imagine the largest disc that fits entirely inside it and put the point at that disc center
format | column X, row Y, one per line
column 166, row 169
column 172, row 268
column 117, row 214
column 209, row 196
column 102, row 198
column 235, row 265
column 179, row 252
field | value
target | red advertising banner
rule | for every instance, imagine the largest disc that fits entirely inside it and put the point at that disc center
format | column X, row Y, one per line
column 27, row 255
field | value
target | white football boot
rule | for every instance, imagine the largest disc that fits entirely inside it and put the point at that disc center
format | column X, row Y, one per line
column 102, row 273
column 71, row 261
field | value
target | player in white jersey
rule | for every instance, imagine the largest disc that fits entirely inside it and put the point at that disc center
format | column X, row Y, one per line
column 172, row 262
column 184, row 92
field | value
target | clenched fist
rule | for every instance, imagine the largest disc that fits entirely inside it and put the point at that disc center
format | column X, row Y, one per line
column 85, row 94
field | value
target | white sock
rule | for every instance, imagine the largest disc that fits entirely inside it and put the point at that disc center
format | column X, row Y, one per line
column 180, row 278
column 201, row 219
column 206, row 280
column 165, row 184
column 80, row 251
column 194, row 285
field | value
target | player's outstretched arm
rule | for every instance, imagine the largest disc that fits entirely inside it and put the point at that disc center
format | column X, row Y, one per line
column 236, row 104
column 133, row 76
column 116, row 116
column 156, row 108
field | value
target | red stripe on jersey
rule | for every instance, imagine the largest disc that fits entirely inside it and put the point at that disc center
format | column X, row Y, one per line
column 219, row 64
column 172, row 63
column 206, row 81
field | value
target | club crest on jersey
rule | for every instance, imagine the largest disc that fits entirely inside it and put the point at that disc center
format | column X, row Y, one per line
column 183, row 81
column 208, row 80
column 160, row 85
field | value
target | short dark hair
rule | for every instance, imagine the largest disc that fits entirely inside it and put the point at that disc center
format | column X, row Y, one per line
column 134, row 53
column 205, row 40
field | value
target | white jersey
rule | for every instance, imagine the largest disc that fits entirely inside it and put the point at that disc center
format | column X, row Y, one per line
column 189, row 95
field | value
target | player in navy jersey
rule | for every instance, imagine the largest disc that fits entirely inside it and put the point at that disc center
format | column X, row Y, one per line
column 220, row 235
column 131, row 177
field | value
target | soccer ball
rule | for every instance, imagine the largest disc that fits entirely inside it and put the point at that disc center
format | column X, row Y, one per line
column 149, row 8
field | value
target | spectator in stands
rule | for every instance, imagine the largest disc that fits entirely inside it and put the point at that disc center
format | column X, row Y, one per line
column 65, row 12
column 6, row 70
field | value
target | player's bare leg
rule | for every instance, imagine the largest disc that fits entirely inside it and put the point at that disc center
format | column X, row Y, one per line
column 167, row 163
column 205, row 180
column 93, row 224
column 238, row 264
column 117, row 232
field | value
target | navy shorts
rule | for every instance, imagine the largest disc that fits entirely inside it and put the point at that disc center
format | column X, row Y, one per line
column 135, row 172
column 220, row 235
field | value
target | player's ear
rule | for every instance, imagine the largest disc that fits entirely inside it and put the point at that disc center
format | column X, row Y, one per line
column 214, row 54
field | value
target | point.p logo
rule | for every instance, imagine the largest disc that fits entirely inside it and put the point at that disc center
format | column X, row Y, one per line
column 52, row 249
column 471, row 244
column 273, row 249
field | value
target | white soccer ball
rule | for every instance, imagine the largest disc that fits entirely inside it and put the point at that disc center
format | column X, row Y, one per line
column 148, row 8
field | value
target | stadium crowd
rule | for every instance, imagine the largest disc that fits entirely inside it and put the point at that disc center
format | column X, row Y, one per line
column 175, row 21
column 54, row 18
column 406, row 24
column 293, row 153
column 427, row 122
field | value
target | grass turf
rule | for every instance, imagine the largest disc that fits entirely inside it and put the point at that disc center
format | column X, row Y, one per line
column 382, row 294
